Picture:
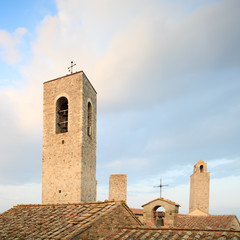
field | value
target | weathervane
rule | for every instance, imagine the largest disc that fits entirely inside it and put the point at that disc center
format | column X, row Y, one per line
column 70, row 69
column 161, row 186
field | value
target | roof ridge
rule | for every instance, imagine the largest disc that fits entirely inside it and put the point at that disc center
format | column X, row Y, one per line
column 183, row 229
column 64, row 204
column 162, row 199
column 210, row 215
column 131, row 212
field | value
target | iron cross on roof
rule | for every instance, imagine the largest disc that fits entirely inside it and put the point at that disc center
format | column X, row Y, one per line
column 70, row 69
column 161, row 186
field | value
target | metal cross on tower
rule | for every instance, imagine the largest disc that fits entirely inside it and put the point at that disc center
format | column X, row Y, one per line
column 70, row 69
column 161, row 186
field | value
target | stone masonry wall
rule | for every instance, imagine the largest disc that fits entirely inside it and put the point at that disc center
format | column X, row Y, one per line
column 199, row 192
column 120, row 217
column 88, row 181
column 118, row 187
column 62, row 163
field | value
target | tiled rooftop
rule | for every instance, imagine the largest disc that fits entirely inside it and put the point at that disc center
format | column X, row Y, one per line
column 171, row 234
column 65, row 221
column 203, row 222
column 211, row 221
column 137, row 211
column 50, row 221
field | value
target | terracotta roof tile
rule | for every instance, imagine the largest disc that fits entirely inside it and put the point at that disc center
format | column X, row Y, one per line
column 137, row 211
column 171, row 234
column 50, row 221
column 211, row 221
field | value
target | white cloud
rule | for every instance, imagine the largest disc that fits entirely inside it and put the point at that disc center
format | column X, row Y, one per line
column 136, row 163
column 219, row 162
column 224, row 193
column 178, row 171
column 102, row 192
column 9, row 51
column 11, row 195
column 144, row 57
column 26, row 104
column 132, row 55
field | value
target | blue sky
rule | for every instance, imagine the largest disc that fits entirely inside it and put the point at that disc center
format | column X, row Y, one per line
column 167, row 77
column 27, row 13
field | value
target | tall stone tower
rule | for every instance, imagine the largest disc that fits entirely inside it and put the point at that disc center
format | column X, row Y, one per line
column 69, row 140
column 199, row 189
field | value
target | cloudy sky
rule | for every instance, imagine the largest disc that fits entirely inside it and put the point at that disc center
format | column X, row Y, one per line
column 167, row 77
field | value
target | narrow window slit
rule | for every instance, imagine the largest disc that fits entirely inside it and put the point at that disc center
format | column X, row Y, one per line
column 89, row 120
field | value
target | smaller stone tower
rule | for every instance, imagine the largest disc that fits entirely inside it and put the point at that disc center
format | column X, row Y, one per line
column 199, row 189
column 118, row 187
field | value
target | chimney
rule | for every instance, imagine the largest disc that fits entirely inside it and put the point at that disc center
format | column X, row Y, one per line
column 118, row 187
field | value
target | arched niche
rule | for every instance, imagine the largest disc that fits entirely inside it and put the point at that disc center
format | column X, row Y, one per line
column 158, row 216
column 62, row 115
column 200, row 167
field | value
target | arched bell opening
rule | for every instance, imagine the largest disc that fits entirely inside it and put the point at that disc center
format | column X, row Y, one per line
column 158, row 216
column 62, row 115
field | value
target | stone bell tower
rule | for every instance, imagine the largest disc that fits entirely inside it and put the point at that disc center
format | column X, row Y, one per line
column 199, row 189
column 69, row 140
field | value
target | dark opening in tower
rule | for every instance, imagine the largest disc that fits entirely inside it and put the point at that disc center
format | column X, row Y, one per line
column 62, row 115
column 89, row 126
column 158, row 216
column 201, row 168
